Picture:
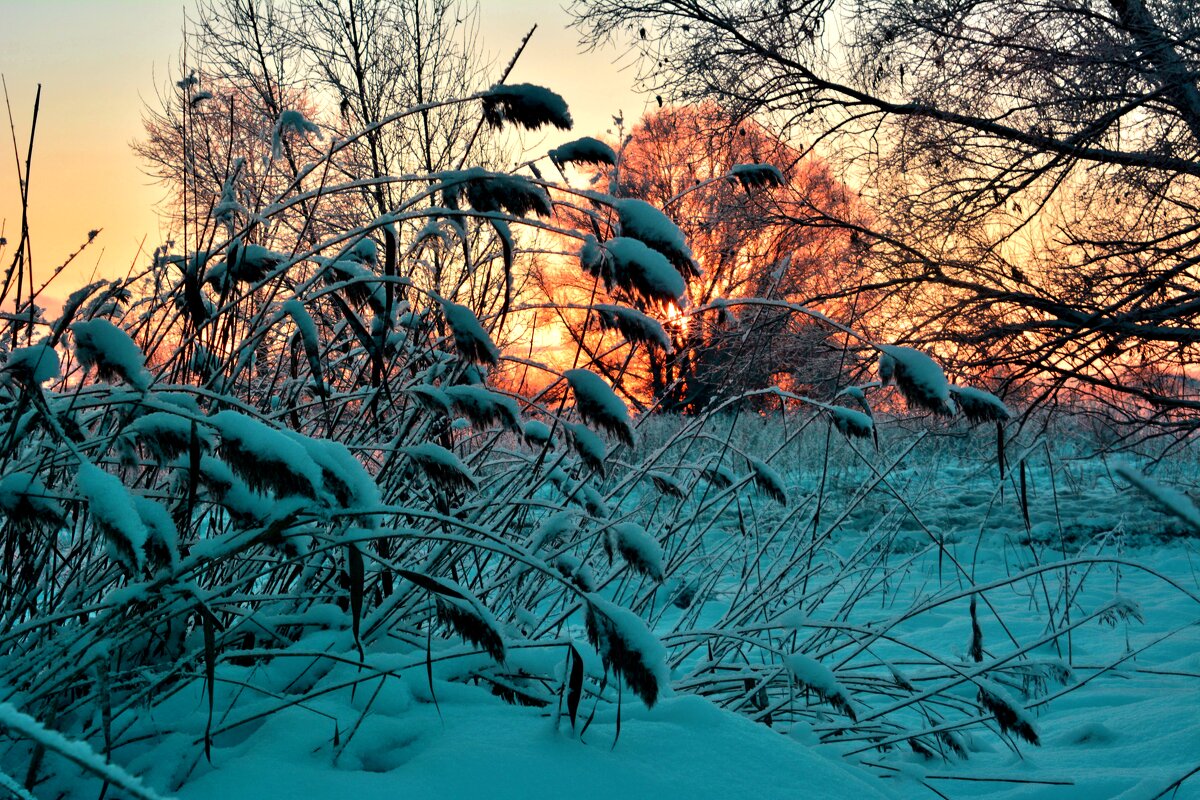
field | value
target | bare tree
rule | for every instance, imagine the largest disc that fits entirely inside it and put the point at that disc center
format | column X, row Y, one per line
column 703, row 168
column 372, row 92
column 1033, row 167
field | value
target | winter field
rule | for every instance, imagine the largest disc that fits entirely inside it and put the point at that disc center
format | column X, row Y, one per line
column 829, row 431
column 1087, row 619
column 1114, row 703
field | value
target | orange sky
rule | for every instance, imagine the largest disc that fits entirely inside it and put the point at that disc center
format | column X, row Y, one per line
column 99, row 60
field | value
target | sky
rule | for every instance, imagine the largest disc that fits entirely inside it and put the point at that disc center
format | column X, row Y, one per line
column 100, row 61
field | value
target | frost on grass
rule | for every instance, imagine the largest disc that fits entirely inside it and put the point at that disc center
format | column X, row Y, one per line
column 638, row 548
column 525, row 105
column 642, row 221
column 37, row 363
column 291, row 122
column 1172, row 500
column 628, row 648
column 598, row 405
column 264, row 457
column 114, row 515
column 585, row 150
column 812, row 675
column 470, row 338
column 917, row 376
column 101, row 345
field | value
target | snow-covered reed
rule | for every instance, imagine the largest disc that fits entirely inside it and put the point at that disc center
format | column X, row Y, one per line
column 246, row 475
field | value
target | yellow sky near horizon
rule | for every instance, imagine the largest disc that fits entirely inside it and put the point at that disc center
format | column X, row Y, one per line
column 100, row 61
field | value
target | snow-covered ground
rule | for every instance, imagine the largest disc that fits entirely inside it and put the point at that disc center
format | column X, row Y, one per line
column 1126, row 725
column 1115, row 705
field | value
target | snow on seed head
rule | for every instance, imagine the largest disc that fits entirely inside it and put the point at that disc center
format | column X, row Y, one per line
column 918, row 377
column 525, row 105
column 598, row 405
column 107, row 348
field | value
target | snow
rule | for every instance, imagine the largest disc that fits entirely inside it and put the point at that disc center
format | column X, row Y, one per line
column 755, row 175
column 683, row 748
column 594, row 502
column 627, row 646
column 103, row 345
column 918, row 376
column 643, row 271
column 588, row 445
column 23, row 493
column 537, row 432
column 851, row 422
column 1127, row 725
column 442, row 466
column 598, row 404
column 344, row 478
column 812, row 674
column 642, row 221
column 264, row 456
column 484, row 407
column 769, row 480
column 554, row 528
column 526, row 105
column 585, row 150
column 365, row 250
column 304, row 323
column 469, row 336
column 38, row 362
column 980, row 406
column 167, row 434
column 291, row 122
column 638, row 548
column 162, row 538
column 634, row 325
column 114, row 512
column 227, row 207
column 21, row 724
column 494, row 192
column 1172, row 500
